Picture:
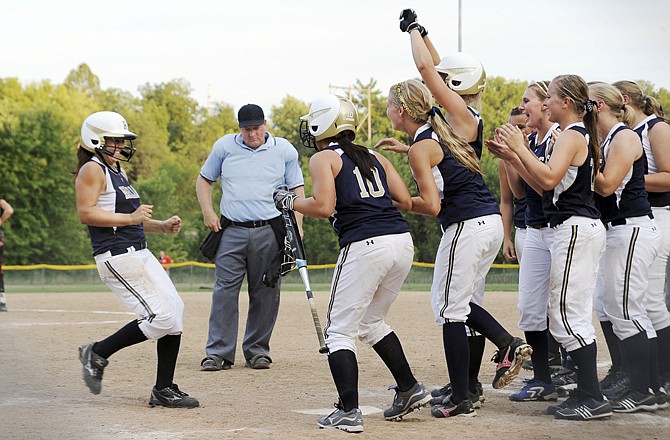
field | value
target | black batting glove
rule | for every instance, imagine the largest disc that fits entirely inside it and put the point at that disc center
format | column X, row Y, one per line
column 284, row 199
column 407, row 17
column 423, row 31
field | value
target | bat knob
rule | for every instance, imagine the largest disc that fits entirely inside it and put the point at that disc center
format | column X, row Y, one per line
column 324, row 350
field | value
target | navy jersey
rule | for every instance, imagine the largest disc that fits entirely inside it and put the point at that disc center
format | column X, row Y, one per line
column 119, row 196
column 642, row 129
column 478, row 144
column 534, row 214
column 519, row 212
column 463, row 194
column 363, row 209
column 573, row 196
column 630, row 198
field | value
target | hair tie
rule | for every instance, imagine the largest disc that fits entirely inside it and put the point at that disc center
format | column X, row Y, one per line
column 589, row 104
column 644, row 96
column 435, row 111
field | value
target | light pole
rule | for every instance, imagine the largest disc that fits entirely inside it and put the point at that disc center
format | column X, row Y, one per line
column 460, row 40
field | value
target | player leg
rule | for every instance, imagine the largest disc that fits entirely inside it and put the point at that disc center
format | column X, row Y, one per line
column 578, row 245
column 348, row 302
column 3, row 300
column 534, row 281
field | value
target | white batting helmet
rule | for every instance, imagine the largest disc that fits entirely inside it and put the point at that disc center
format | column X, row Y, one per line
column 101, row 125
column 328, row 116
column 463, row 73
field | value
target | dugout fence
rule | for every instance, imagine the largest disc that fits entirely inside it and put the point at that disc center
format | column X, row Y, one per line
column 196, row 276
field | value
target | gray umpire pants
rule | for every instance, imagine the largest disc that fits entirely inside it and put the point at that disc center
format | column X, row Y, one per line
column 243, row 251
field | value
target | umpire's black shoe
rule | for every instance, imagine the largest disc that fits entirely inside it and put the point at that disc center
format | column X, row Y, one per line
column 93, row 367
column 172, row 397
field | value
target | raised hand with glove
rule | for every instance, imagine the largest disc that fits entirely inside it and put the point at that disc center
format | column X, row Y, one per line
column 408, row 22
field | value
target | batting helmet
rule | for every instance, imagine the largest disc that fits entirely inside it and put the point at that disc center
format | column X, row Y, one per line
column 463, row 73
column 101, row 125
column 328, row 116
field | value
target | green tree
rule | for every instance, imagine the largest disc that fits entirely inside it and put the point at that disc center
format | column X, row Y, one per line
column 182, row 109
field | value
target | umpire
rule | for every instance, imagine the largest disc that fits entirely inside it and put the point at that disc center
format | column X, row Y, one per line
column 250, row 165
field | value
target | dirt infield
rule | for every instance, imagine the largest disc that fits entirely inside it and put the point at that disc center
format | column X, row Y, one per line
column 42, row 395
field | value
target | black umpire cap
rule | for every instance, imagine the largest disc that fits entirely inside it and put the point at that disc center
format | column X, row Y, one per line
column 250, row 115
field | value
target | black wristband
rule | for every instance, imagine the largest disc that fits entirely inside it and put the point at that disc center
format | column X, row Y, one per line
column 412, row 26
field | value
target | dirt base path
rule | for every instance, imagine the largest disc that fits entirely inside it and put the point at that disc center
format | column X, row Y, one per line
column 42, row 395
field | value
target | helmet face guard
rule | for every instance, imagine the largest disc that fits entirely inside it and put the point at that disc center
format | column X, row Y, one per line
column 305, row 136
column 127, row 151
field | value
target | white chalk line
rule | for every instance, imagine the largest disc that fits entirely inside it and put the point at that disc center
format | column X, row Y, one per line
column 61, row 323
column 108, row 312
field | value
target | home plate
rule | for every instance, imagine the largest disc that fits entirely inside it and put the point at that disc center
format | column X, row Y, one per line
column 323, row 411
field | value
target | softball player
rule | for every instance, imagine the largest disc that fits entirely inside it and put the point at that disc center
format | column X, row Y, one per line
column 359, row 190
column 456, row 82
column 655, row 134
column 579, row 235
column 632, row 244
column 513, row 209
column 534, row 271
column 117, row 222
column 6, row 211
column 448, row 174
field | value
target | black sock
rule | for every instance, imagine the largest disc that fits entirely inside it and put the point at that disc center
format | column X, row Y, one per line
column 477, row 344
column 344, row 369
column 457, row 354
column 554, row 346
column 635, row 350
column 654, row 379
column 390, row 351
column 587, row 370
column 540, row 356
column 613, row 344
column 128, row 335
column 167, row 348
column 482, row 321
column 663, row 341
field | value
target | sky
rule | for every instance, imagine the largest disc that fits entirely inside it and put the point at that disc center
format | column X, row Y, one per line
column 260, row 51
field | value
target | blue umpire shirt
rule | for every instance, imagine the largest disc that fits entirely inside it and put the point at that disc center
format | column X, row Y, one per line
column 249, row 177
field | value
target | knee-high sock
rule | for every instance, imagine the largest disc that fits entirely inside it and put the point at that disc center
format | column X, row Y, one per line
column 344, row 369
column 663, row 341
column 457, row 354
column 390, row 351
column 128, row 335
column 167, row 349
column 540, row 356
column 654, row 379
column 587, row 371
column 635, row 351
column 477, row 345
column 483, row 322
column 613, row 345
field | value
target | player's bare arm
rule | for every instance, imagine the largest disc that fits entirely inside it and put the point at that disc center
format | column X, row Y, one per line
column 423, row 156
column 659, row 137
column 624, row 149
column 456, row 110
column 323, row 167
column 399, row 192
column 89, row 184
